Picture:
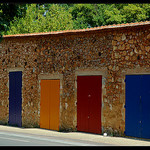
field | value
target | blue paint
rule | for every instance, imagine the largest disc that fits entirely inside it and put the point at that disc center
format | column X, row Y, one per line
column 137, row 112
column 15, row 98
column 145, row 105
column 132, row 111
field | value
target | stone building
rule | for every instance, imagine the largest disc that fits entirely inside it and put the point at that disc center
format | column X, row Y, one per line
column 66, row 64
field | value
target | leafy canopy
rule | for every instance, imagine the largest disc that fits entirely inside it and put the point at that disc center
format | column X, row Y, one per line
column 30, row 18
column 38, row 19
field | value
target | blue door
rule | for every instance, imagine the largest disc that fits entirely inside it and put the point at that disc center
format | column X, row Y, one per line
column 137, row 112
column 145, row 106
column 15, row 98
column 132, row 111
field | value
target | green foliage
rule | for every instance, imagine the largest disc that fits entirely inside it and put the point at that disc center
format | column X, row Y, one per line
column 134, row 13
column 146, row 7
column 126, row 13
column 87, row 15
column 38, row 19
column 112, row 15
column 8, row 12
column 30, row 18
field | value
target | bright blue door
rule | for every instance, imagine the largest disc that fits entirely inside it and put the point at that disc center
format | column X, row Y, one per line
column 137, row 112
column 15, row 98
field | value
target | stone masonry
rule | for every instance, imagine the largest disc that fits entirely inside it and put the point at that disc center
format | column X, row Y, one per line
column 112, row 51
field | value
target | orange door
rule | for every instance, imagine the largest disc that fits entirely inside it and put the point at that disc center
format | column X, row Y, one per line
column 49, row 113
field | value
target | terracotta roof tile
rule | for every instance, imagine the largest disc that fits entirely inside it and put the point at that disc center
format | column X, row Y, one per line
column 81, row 30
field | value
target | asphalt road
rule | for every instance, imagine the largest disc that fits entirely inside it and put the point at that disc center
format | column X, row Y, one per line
column 25, row 139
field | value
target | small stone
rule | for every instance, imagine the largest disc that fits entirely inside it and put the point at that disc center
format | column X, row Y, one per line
column 116, row 55
column 114, row 42
column 121, row 42
column 123, row 37
column 140, row 52
column 135, row 50
column 130, row 36
column 123, row 46
column 148, row 36
column 118, row 38
column 147, row 48
column 124, row 53
column 110, row 67
column 112, row 80
column 114, row 48
column 142, row 47
column 131, row 53
column 127, row 46
column 131, row 41
column 119, row 47
column 134, row 57
column 114, row 68
column 127, row 58
column 117, row 68
column 66, row 105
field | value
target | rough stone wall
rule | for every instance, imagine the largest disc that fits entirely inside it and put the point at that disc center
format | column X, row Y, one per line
column 130, row 55
column 118, row 51
column 66, row 54
column 19, row 54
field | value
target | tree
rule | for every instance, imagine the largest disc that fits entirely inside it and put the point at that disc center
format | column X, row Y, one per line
column 134, row 13
column 126, row 13
column 58, row 19
column 7, row 14
column 84, row 15
column 146, row 7
column 99, row 18
column 112, row 15
column 41, row 19
column 52, row 17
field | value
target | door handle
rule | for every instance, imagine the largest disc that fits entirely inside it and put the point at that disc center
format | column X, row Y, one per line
column 89, row 95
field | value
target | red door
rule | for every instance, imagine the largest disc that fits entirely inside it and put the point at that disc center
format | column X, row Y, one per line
column 89, row 89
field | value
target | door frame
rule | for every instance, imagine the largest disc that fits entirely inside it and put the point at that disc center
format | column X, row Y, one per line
column 91, row 72
column 53, row 76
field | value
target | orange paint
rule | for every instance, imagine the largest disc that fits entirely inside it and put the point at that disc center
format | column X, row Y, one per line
column 49, row 112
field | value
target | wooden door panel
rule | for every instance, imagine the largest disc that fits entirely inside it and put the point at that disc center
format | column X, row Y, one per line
column 54, row 104
column 44, row 107
column 49, row 113
column 89, row 103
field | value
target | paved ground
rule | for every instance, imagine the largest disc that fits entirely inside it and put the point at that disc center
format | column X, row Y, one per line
column 9, row 138
column 37, row 136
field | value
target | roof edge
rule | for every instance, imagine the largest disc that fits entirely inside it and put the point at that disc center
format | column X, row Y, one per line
column 114, row 26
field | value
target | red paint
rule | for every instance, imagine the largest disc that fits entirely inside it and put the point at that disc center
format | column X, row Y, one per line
column 89, row 91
